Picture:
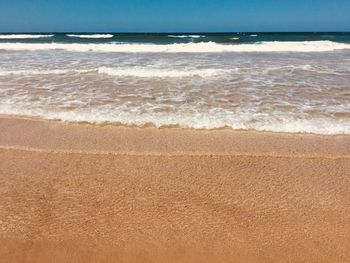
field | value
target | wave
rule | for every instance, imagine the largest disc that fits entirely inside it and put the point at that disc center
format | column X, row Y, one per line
column 123, row 72
column 145, row 73
column 91, row 36
column 213, row 119
column 202, row 47
column 42, row 72
column 186, row 36
column 23, row 36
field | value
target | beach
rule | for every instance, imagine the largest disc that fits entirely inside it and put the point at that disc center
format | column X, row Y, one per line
column 175, row 147
column 79, row 192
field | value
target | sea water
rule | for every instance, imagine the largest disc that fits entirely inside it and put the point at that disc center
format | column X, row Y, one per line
column 282, row 82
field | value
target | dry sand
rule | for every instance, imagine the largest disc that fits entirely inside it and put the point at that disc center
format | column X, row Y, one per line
column 85, row 193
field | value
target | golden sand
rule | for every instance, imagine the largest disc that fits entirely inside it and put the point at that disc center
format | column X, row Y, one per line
column 85, row 193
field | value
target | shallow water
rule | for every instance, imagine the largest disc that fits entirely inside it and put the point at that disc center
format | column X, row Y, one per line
column 288, row 86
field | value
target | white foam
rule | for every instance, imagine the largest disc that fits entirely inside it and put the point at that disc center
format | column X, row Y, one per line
column 234, row 38
column 254, row 35
column 215, row 118
column 155, row 72
column 91, row 36
column 203, row 47
column 186, row 36
column 141, row 72
column 23, row 36
column 42, row 72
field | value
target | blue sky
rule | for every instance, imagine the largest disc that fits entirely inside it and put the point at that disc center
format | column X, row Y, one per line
column 173, row 15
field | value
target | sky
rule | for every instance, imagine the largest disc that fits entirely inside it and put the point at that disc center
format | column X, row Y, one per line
column 174, row 15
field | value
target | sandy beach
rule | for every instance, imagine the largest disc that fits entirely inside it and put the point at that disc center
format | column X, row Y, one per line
column 87, row 193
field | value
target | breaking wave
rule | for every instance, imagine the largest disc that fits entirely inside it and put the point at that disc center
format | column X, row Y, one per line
column 213, row 119
column 23, row 36
column 185, row 36
column 91, row 36
column 203, row 47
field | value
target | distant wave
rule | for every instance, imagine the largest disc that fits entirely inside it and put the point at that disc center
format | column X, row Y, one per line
column 203, row 47
column 254, row 35
column 91, row 36
column 123, row 72
column 23, row 36
column 234, row 38
column 186, row 36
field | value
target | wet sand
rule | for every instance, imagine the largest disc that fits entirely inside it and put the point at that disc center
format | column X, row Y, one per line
column 85, row 193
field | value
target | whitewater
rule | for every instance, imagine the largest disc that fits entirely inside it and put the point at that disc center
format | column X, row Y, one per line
column 243, row 81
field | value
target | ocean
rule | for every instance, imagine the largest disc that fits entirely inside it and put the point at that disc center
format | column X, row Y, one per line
column 279, row 82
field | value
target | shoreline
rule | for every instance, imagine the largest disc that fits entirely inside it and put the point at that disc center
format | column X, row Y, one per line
column 164, row 126
column 120, row 140
column 88, row 193
column 152, row 126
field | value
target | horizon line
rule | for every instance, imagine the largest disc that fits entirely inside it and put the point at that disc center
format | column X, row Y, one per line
column 166, row 32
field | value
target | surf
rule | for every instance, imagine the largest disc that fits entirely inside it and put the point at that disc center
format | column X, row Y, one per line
column 91, row 36
column 202, row 47
column 24, row 36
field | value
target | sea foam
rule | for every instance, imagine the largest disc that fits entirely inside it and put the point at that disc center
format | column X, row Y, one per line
column 203, row 47
column 162, row 73
column 23, row 36
column 141, row 72
column 42, row 72
column 186, row 36
column 213, row 119
column 91, row 36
